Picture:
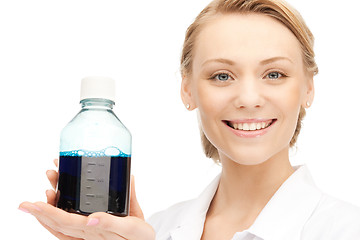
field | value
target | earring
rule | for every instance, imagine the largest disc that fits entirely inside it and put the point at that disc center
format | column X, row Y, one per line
column 188, row 106
column 307, row 104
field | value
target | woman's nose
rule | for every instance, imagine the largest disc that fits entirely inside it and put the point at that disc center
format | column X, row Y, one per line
column 248, row 94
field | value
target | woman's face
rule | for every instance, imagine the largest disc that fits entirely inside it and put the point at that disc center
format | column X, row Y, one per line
column 248, row 82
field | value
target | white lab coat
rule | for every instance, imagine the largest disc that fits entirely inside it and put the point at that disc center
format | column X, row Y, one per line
column 298, row 210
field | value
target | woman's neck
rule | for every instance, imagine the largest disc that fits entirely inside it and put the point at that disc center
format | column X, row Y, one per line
column 244, row 190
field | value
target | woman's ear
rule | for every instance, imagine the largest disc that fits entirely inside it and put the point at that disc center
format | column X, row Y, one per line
column 186, row 93
column 310, row 92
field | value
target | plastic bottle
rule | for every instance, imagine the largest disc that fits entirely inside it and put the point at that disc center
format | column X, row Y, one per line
column 95, row 155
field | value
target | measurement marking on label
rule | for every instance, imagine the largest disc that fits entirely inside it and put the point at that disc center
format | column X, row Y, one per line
column 94, row 192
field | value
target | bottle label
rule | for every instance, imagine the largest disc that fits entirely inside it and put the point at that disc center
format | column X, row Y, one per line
column 94, row 184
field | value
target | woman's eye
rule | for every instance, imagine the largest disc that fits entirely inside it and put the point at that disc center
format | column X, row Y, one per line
column 274, row 75
column 222, row 77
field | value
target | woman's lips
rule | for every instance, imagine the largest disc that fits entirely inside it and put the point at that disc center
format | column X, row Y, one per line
column 249, row 127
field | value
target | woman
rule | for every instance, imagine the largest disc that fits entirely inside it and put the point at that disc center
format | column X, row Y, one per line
column 248, row 67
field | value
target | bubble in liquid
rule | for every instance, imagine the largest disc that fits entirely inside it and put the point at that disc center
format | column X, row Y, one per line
column 110, row 151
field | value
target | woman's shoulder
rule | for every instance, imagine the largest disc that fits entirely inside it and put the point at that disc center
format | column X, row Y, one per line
column 337, row 210
column 336, row 218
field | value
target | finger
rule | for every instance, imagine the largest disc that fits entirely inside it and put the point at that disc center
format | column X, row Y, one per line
column 56, row 162
column 59, row 235
column 62, row 217
column 95, row 233
column 135, row 209
column 35, row 211
column 52, row 175
column 126, row 227
column 102, row 235
column 51, row 197
column 58, row 220
column 60, row 228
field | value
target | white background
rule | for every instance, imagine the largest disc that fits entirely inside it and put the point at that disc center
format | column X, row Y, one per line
column 47, row 46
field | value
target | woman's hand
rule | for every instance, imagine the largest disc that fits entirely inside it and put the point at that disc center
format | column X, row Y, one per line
column 70, row 226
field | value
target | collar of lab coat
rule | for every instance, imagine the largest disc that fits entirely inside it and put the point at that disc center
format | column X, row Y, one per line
column 283, row 217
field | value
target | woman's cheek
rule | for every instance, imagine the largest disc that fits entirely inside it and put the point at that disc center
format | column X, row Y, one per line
column 211, row 104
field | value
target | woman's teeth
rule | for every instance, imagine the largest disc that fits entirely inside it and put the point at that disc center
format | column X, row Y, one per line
column 250, row 126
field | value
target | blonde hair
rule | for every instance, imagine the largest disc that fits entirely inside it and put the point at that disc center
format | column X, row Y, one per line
column 276, row 9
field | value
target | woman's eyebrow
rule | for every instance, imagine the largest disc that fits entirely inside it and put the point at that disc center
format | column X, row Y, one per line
column 219, row 60
column 274, row 59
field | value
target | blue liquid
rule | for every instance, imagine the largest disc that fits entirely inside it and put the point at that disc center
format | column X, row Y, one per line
column 69, row 183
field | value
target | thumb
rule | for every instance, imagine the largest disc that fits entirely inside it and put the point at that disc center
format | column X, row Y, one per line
column 135, row 209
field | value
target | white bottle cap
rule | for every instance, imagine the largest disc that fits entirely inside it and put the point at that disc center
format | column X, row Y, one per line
column 97, row 87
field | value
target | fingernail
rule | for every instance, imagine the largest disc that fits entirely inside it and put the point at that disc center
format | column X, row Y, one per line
column 24, row 210
column 93, row 222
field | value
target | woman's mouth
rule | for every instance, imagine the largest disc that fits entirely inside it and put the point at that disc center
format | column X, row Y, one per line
column 250, row 127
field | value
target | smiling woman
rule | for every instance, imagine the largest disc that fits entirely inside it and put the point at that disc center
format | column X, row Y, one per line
column 283, row 14
column 247, row 67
